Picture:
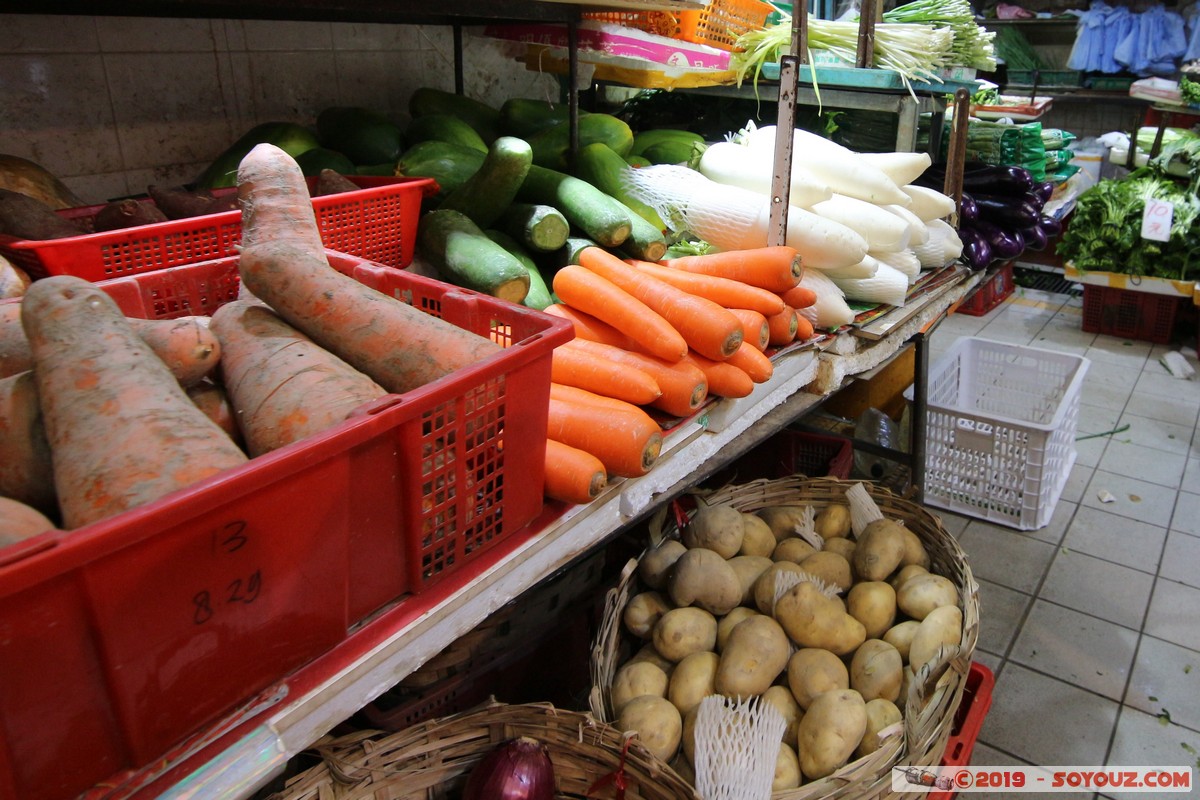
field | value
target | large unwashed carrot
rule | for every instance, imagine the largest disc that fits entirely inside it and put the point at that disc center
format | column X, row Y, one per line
column 572, row 475
column 722, row 291
column 776, row 268
column 706, row 327
column 783, row 327
column 753, row 363
column 588, row 327
column 276, row 206
column 575, row 366
column 19, row 522
column 121, row 430
column 799, row 297
column 724, row 379
column 185, row 345
column 754, row 327
column 14, row 347
column 683, row 386
column 213, row 400
column 282, row 385
column 25, row 469
column 624, row 443
column 572, row 394
column 586, row 291
column 804, row 328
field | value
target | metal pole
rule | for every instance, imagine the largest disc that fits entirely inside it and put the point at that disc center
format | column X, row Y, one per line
column 458, row 58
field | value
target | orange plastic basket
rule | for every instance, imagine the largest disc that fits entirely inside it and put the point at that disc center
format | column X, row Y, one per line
column 718, row 25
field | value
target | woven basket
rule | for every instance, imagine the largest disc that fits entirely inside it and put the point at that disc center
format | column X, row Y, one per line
column 929, row 711
column 431, row 761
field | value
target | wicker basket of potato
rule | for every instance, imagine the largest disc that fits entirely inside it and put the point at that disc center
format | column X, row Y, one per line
column 856, row 619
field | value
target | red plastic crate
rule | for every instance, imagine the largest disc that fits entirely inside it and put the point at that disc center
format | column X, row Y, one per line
column 992, row 292
column 1130, row 314
column 378, row 222
column 791, row 452
column 968, row 721
column 122, row 638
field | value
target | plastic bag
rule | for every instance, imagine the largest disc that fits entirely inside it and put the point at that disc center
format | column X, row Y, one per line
column 1056, row 138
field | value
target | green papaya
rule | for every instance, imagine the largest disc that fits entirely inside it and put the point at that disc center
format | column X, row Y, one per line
column 313, row 161
column 523, row 117
column 290, row 137
column 448, row 164
column 362, row 135
column 443, row 128
column 551, row 147
column 480, row 116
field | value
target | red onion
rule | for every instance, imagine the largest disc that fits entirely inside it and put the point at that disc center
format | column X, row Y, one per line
column 519, row 769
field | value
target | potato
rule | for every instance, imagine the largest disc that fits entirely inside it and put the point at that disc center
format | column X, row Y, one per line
column 634, row 680
column 943, row 626
column 843, row 547
column 812, row 620
column 683, row 631
column 921, row 594
column 914, row 551
column 831, row 729
column 764, row 587
column 655, row 565
column 702, row 578
column 900, row 636
column 657, row 722
column 683, row 768
column 783, row 520
column 642, row 613
column 876, row 670
column 833, row 522
column 688, row 745
column 757, row 539
column 904, row 573
column 718, row 528
column 787, row 769
column 692, row 680
column 748, row 568
column 812, row 671
column 730, row 621
column 757, row 651
column 792, row 549
column 785, row 703
column 832, row 569
column 880, row 714
column 879, row 550
column 873, row 603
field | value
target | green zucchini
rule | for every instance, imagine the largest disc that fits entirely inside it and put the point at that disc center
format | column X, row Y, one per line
column 485, row 195
column 362, row 135
column 551, row 263
column 540, row 227
column 520, row 116
column 448, row 164
column 648, row 138
column 293, row 139
column 480, row 116
column 443, row 128
column 603, row 167
column 539, row 293
column 587, row 208
column 551, row 147
column 464, row 255
column 645, row 241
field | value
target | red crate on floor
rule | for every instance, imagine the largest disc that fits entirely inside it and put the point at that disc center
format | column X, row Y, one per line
column 377, row 222
column 124, row 637
column 1130, row 314
column 968, row 721
column 994, row 290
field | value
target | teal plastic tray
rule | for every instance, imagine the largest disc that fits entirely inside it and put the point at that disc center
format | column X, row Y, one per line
column 872, row 79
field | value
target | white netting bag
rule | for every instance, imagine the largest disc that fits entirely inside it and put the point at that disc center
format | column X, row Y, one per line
column 728, row 217
column 737, row 745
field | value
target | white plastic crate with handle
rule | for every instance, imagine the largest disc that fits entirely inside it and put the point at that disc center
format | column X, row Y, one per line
column 1000, row 432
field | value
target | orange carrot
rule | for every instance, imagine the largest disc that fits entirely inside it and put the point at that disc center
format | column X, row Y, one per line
column 624, row 443
column 683, row 386
column 804, row 328
column 754, row 327
column 574, row 366
column 185, row 345
column 19, row 522
column 121, row 430
column 13, row 280
column 783, row 327
column 572, row 394
column 572, row 475
column 705, row 326
column 586, row 291
column 26, row 473
column 799, row 297
column 14, row 348
column 776, row 269
column 722, row 291
column 213, row 400
column 588, row 327
column 753, row 363
column 724, row 379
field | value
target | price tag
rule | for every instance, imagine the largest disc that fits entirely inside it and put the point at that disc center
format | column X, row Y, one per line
column 1156, row 220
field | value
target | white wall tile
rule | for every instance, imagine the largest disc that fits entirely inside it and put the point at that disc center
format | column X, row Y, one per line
column 154, row 35
column 287, row 35
column 34, row 33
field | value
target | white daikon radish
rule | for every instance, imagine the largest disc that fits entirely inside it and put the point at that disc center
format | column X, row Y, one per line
column 887, row 285
column 883, row 230
column 927, row 203
column 951, row 242
column 918, row 231
column 902, row 168
column 839, row 168
column 932, row 254
column 735, row 164
column 863, row 269
column 830, row 310
column 904, row 261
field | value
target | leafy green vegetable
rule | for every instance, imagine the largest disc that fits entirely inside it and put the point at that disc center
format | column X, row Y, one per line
column 1189, row 90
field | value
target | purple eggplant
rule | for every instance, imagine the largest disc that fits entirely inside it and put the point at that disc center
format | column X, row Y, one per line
column 1010, row 212
column 1009, row 181
column 1044, row 190
column 1035, row 200
column 1035, row 238
column 977, row 252
column 968, row 210
column 1049, row 226
column 1006, row 243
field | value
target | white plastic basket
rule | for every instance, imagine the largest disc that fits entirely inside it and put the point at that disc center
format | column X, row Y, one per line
column 1000, row 429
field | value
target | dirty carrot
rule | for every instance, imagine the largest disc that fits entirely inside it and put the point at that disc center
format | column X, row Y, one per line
column 572, row 475
column 754, row 327
column 799, row 297
column 276, row 206
column 722, row 291
column 577, row 366
column 754, row 363
column 25, row 469
column 185, row 345
column 724, row 379
column 783, row 327
column 588, row 327
column 19, row 522
column 775, row 268
column 624, row 443
column 706, row 327
column 213, row 400
column 588, row 292
column 14, row 348
column 683, row 386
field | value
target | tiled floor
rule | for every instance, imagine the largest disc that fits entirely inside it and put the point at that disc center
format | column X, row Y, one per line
column 1092, row 624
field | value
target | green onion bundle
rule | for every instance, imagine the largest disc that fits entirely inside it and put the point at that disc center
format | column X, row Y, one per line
column 973, row 44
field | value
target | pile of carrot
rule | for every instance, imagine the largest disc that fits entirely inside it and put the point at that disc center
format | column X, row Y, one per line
column 664, row 336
